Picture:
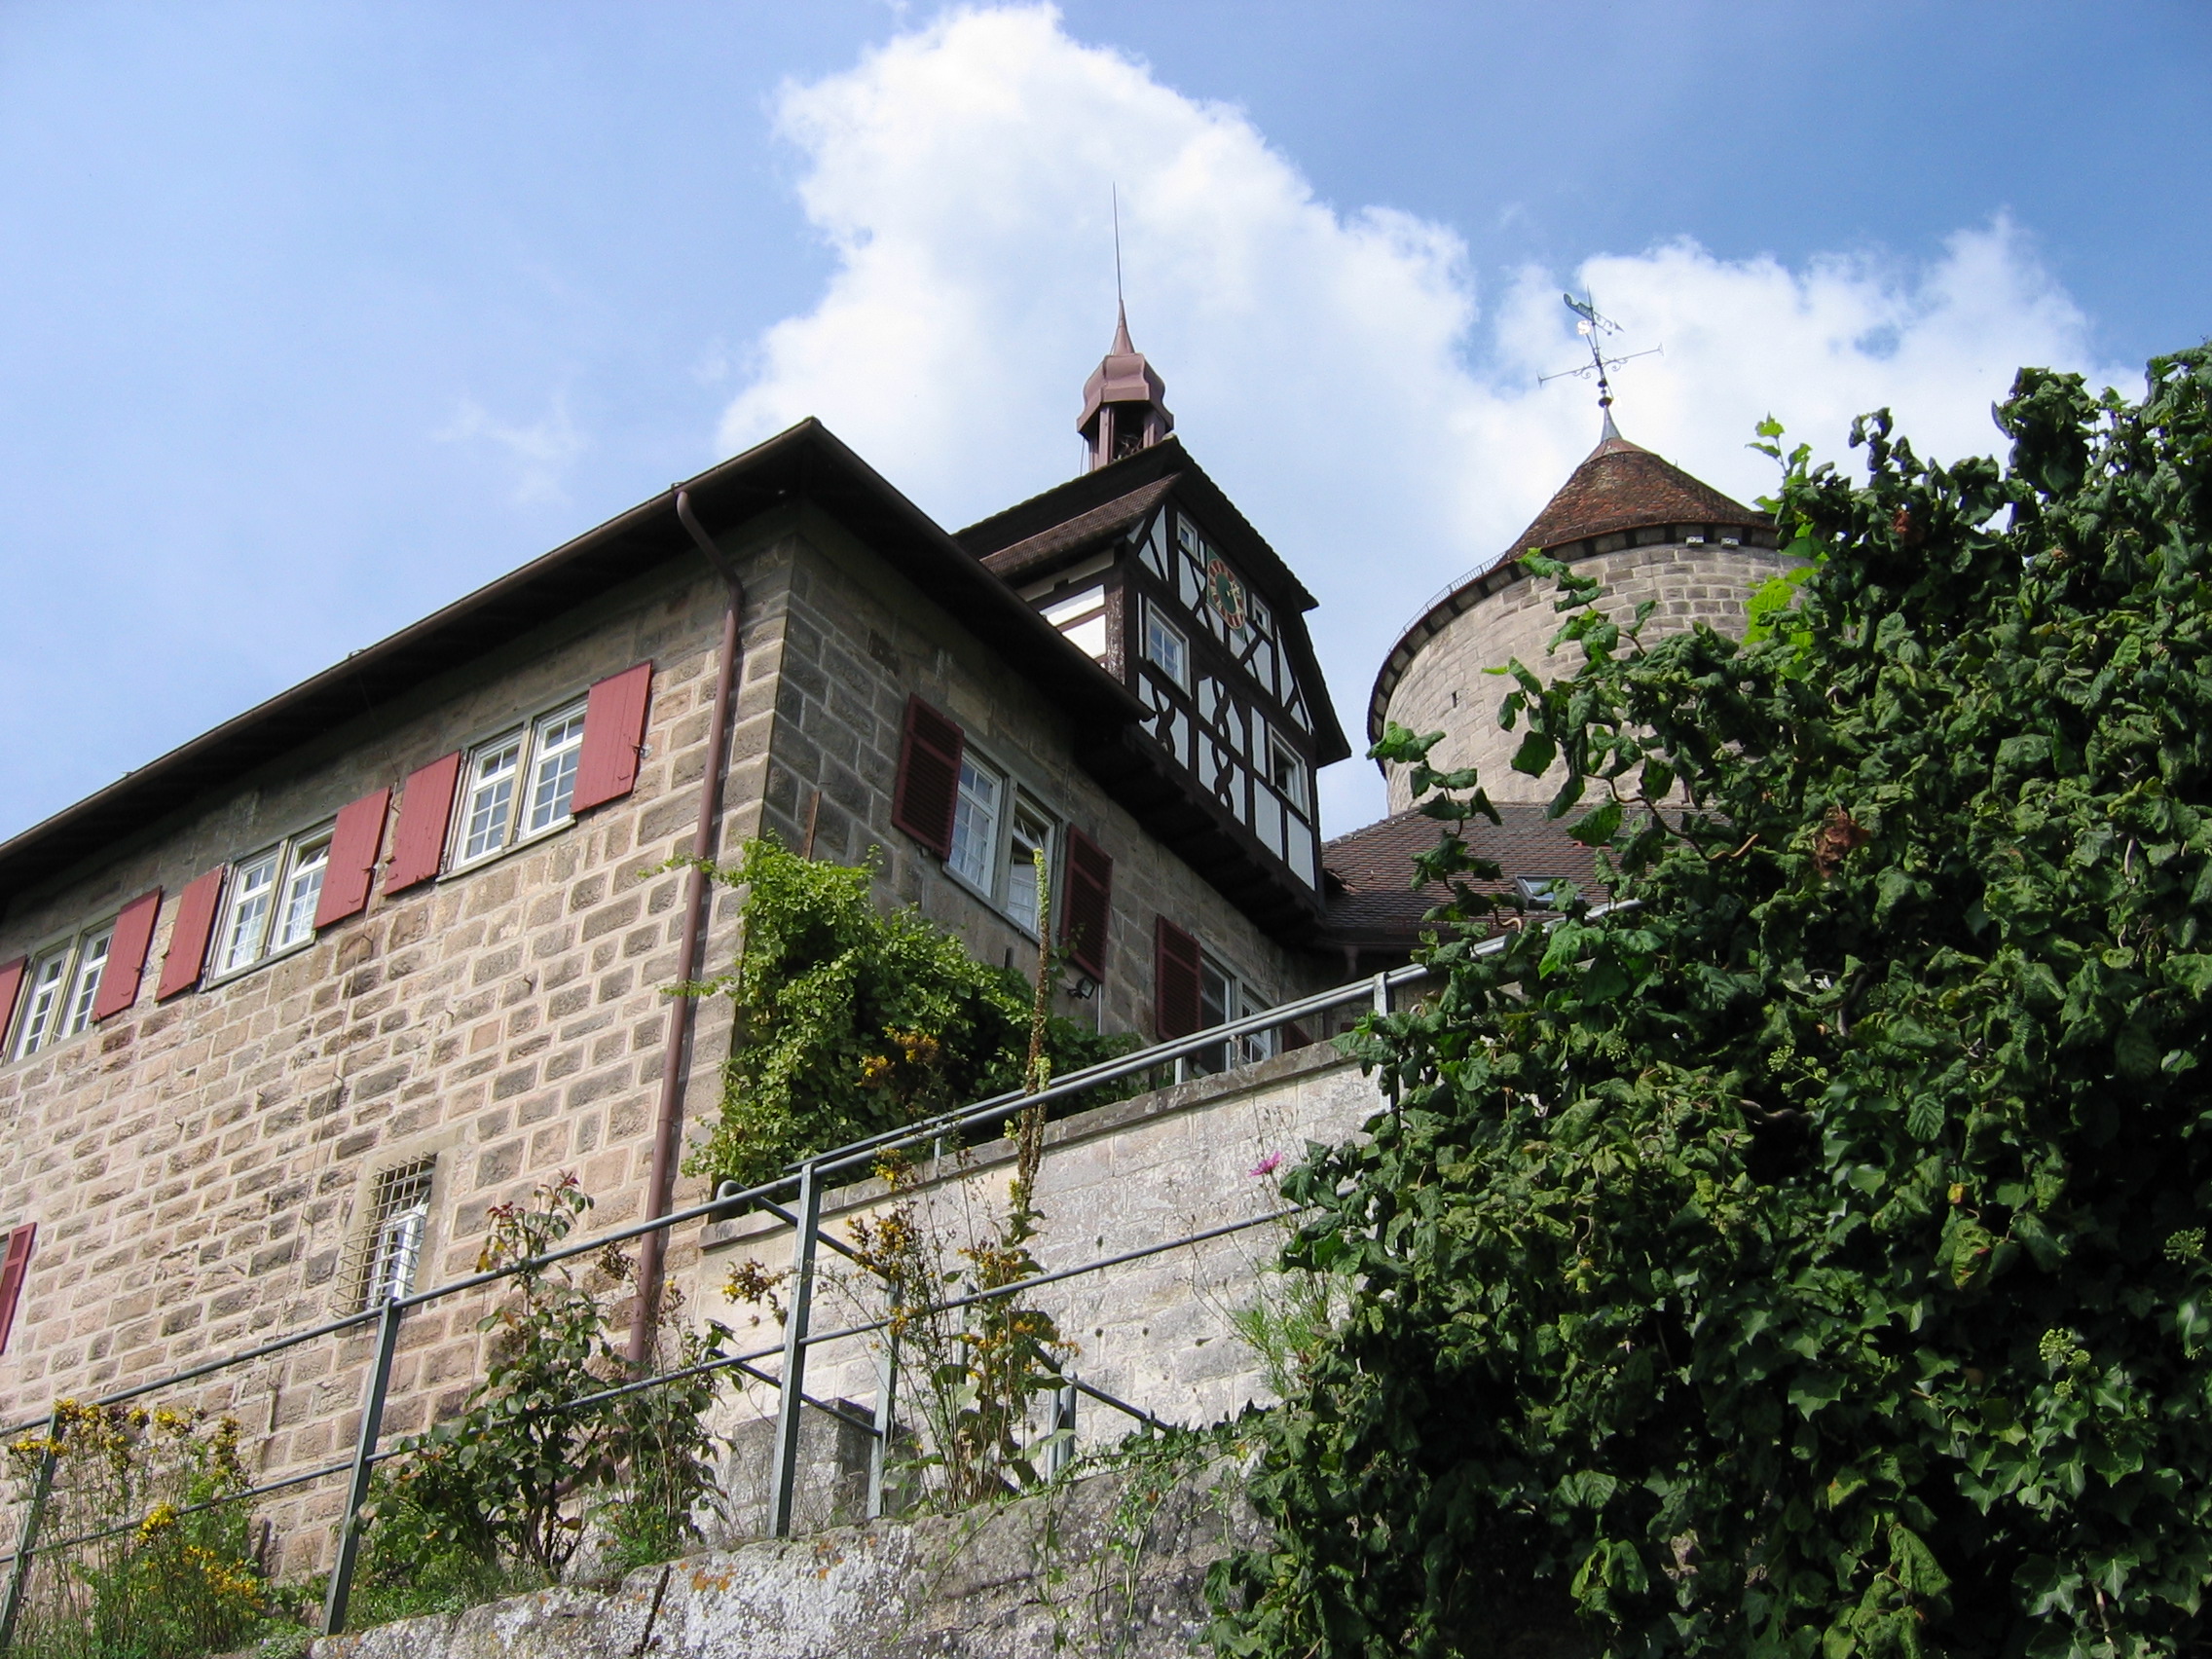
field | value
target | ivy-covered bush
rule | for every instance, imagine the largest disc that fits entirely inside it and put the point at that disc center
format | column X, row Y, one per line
column 1811, row 1260
column 852, row 1020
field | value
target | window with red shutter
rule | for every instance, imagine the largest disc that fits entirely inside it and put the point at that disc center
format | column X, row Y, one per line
column 425, row 805
column 187, row 954
column 1174, row 980
column 11, row 987
column 127, row 952
column 927, row 790
column 13, row 1270
column 1086, row 913
column 614, row 731
column 355, row 841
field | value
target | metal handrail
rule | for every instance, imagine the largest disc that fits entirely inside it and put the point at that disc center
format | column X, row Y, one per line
column 808, row 1177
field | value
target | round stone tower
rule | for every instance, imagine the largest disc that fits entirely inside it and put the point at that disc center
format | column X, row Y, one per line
column 1646, row 529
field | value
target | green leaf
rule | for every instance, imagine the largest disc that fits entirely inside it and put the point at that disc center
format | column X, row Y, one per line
column 1599, row 826
column 1535, row 754
column 1924, row 1118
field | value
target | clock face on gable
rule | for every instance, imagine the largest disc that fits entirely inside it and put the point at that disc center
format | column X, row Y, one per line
column 1225, row 594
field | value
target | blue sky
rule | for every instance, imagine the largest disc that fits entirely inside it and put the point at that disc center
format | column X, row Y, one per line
column 313, row 317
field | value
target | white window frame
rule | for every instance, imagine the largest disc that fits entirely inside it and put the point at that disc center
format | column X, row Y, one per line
column 552, row 739
column 1299, row 797
column 1179, row 671
column 1231, row 996
column 1040, row 830
column 70, row 971
column 298, row 866
column 979, row 823
column 995, row 842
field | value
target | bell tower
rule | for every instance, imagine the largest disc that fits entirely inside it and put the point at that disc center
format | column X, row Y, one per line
column 1124, row 403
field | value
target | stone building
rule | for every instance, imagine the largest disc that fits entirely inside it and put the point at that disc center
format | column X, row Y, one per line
column 286, row 1010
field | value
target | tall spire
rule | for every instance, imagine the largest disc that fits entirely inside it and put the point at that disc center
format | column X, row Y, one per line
column 1124, row 402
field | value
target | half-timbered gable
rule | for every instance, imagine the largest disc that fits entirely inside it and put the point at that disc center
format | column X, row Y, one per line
column 1148, row 569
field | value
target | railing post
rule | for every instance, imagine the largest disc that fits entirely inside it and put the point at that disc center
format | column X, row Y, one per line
column 357, row 1488
column 886, row 1404
column 1382, row 993
column 19, row 1574
column 1059, row 1450
column 791, row 1392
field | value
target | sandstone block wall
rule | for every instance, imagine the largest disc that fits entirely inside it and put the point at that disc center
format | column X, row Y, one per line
column 1446, row 688
column 1100, row 1567
column 199, row 1168
column 858, row 641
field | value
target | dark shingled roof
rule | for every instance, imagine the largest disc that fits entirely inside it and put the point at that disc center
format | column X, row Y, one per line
column 1096, row 525
column 1624, row 486
column 1373, row 901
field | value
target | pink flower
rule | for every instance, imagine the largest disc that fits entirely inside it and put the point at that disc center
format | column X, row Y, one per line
column 1268, row 1164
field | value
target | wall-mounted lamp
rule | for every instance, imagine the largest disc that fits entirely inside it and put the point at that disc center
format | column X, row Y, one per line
column 1083, row 987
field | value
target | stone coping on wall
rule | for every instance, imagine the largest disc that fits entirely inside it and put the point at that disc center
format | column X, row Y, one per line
column 1199, row 1095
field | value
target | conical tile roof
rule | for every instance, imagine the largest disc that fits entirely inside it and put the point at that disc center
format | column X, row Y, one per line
column 1619, row 487
column 1624, row 486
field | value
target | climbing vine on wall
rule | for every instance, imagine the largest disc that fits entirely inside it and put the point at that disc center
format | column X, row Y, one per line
column 851, row 1020
column 1811, row 1260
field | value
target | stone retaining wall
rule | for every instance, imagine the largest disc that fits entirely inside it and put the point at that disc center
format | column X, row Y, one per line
column 1157, row 1331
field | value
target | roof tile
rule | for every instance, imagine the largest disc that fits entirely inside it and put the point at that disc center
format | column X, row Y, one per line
column 1374, row 902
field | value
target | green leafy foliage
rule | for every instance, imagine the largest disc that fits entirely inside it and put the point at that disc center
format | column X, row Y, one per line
column 505, row 1490
column 1811, row 1260
column 852, row 1020
column 154, row 1560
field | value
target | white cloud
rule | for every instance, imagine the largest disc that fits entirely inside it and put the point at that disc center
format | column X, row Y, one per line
column 541, row 453
column 1331, row 369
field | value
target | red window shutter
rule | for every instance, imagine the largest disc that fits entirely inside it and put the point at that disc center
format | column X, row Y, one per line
column 355, row 840
column 614, row 731
column 425, row 808
column 1174, row 980
column 188, row 940
column 928, row 786
column 13, row 1270
column 126, row 955
column 1088, row 907
column 11, row 987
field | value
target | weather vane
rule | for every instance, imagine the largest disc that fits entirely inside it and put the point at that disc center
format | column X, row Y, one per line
column 1594, row 326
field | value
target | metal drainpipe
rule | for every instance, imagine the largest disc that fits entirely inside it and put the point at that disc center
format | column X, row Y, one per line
column 668, row 1122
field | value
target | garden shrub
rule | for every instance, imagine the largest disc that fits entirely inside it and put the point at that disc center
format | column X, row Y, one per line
column 506, row 1491
column 157, row 1576
column 1811, row 1260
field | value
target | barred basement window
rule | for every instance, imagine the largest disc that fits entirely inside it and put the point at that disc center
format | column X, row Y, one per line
column 399, row 1216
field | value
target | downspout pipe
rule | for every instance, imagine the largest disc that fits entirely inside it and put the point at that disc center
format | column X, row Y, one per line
column 682, row 1022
